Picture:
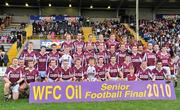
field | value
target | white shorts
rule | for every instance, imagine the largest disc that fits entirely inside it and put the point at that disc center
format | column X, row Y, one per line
column 114, row 78
column 167, row 70
column 15, row 88
column 92, row 79
column 173, row 76
column 42, row 74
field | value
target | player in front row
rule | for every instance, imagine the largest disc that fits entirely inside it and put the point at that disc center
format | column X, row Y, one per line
column 12, row 78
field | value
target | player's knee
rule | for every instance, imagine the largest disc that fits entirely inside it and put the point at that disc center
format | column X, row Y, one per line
column 6, row 85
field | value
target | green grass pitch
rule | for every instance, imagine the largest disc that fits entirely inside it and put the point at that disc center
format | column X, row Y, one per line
column 23, row 104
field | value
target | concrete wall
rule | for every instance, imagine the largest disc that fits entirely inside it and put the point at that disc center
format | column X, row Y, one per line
column 60, row 11
column 99, row 13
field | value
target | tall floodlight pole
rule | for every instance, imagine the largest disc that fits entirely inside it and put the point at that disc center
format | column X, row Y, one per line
column 137, row 19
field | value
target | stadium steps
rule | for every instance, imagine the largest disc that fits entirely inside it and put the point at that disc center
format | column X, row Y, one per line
column 87, row 31
column 134, row 34
column 12, row 52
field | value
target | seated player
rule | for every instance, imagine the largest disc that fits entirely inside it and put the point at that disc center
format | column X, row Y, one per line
column 42, row 58
column 101, row 70
column 30, row 75
column 131, row 76
column 90, row 71
column 113, row 70
column 159, row 73
column 126, row 65
column 78, row 71
column 143, row 73
column 12, row 79
column 53, row 72
column 66, row 74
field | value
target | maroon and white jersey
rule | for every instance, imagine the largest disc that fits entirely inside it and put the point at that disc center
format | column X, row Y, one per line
column 143, row 74
column 136, row 60
column 78, row 72
column 42, row 61
column 31, row 75
column 13, row 74
column 68, row 44
column 78, row 56
column 67, row 74
column 131, row 77
column 78, row 43
column 28, row 56
column 53, row 73
column 101, row 71
column 150, row 57
column 101, row 55
column 159, row 74
column 100, row 43
column 55, row 56
column 165, row 58
column 110, row 54
column 142, row 55
column 121, row 56
column 89, row 43
column 172, row 67
column 109, row 43
column 125, row 68
column 87, row 55
column 113, row 69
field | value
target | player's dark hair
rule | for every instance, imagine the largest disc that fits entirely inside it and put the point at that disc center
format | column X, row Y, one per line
column 53, row 45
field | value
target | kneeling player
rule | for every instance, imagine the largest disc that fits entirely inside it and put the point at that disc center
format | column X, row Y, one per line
column 12, row 78
column 90, row 71
column 113, row 70
column 160, row 73
column 53, row 72
column 78, row 71
column 66, row 72
column 144, row 73
column 131, row 76
column 31, row 75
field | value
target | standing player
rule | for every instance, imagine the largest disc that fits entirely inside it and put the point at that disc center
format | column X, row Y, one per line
column 88, row 53
column 164, row 56
column 125, row 66
column 143, row 73
column 122, row 53
column 78, row 71
column 42, row 58
column 101, row 69
column 141, row 52
column 66, row 72
column 173, row 70
column 78, row 42
column 53, row 72
column 79, row 54
column 112, row 41
column 159, row 73
column 113, row 71
column 101, row 53
column 54, row 54
column 90, row 70
column 150, row 57
column 100, row 41
column 30, row 54
column 112, row 52
column 12, row 78
column 136, row 58
column 68, row 43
